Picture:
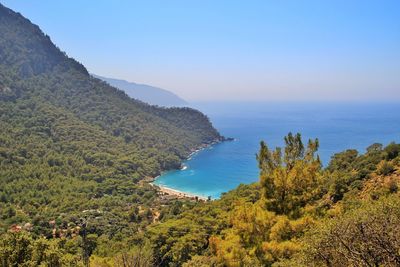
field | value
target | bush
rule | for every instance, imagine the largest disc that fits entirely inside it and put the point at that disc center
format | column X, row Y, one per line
column 385, row 168
column 367, row 236
column 392, row 186
column 392, row 151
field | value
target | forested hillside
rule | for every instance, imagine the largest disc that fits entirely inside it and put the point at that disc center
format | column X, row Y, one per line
column 297, row 215
column 72, row 147
column 74, row 153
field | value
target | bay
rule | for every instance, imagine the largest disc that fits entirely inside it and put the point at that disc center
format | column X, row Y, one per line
column 224, row 166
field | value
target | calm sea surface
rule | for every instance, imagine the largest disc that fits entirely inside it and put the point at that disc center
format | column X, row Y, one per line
column 224, row 166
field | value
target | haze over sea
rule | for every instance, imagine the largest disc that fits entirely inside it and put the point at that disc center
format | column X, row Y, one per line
column 338, row 126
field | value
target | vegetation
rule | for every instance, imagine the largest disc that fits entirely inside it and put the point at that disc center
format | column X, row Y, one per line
column 74, row 150
column 297, row 215
column 365, row 236
column 74, row 147
column 75, row 154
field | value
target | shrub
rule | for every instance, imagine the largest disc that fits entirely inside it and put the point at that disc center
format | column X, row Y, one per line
column 385, row 168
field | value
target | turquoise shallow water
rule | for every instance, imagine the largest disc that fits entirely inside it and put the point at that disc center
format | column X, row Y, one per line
column 224, row 166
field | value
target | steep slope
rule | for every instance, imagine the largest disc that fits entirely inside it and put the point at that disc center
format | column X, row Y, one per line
column 146, row 93
column 70, row 142
column 32, row 67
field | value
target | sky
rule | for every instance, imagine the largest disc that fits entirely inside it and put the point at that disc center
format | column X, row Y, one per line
column 233, row 50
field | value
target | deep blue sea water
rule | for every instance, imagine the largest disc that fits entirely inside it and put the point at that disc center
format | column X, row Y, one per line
column 338, row 126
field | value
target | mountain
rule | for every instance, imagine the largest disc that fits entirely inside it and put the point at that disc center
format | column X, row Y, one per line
column 75, row 155
column 146, row 93
column 71, row 143
column 33, row 69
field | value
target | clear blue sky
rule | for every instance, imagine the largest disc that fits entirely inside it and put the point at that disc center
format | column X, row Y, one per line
column 234, row 50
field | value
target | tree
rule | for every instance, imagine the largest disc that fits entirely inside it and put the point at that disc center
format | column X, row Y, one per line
column 289, row 181
column 366, row 236
column 392, row 151
column 20, row 249
column 136, row 257
column 16, row 249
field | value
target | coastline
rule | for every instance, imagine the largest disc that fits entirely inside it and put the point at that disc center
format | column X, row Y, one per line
column 203, row 146
column 164, row 190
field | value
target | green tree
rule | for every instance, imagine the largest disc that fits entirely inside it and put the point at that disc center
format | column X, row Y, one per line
column 289, row 181
column 366, row 236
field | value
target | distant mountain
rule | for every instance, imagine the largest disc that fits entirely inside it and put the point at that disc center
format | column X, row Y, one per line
column 70, row 142
column 146, row 93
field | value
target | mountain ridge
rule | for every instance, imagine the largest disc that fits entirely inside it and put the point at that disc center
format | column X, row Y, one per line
column 74, row 152
column 70, row 142
column 32, row 65
column 146, row 93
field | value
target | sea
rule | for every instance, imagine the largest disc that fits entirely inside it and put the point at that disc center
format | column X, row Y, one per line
column 338, row 126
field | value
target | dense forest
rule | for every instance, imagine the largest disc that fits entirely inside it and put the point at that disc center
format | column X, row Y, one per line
column 75, row 155
column 73, row 148
column 298, row 214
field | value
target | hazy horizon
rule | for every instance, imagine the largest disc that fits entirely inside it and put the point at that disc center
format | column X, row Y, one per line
column 231, row 51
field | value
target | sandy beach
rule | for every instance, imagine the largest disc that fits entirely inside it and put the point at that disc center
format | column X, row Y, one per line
column 177, row 193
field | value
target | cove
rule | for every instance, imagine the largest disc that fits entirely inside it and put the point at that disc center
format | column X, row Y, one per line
column 224, row 166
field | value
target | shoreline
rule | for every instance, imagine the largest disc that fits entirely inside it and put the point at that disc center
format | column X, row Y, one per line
column 177, row 193
column 203, row 146
column 181, row 194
